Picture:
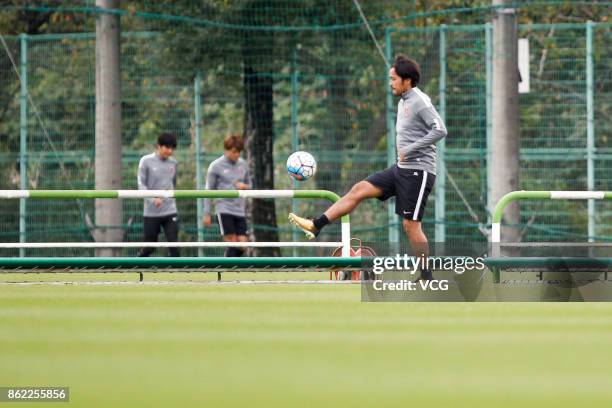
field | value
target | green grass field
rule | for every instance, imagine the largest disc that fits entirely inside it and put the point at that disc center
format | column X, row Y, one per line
column 314, row 345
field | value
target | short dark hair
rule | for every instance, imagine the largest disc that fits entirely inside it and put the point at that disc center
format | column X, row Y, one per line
column 407, row 68
column 167, row 139
column 233, row 142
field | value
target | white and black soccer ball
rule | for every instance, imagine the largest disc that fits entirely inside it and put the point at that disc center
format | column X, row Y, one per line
column 301, row 166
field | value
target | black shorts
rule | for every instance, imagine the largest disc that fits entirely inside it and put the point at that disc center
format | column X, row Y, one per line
column 232, row 224
column 410, row 187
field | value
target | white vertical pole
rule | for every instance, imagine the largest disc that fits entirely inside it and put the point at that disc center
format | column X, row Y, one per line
column 346, row 239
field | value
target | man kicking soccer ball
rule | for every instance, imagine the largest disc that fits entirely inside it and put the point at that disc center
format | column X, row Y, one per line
column 418, row 128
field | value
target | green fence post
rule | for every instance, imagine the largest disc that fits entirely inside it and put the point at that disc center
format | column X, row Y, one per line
column 440, row 234
column 489, row 114
column 23, row 138
column 198, row 155
column 294, row 129
column 590, row 145
column 391, row 154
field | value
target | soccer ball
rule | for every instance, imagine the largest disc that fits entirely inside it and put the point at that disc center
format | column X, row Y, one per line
column 301, row 166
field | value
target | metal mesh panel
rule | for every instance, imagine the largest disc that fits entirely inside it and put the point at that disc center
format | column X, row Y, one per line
column 9, row 133
column 329, row 88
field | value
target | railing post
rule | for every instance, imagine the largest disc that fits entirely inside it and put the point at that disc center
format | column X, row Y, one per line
column 23, row 139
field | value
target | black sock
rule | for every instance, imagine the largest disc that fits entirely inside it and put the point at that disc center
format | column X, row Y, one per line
column 320, row 222
column 234, row 252
column 426, row 274
column 231, row 252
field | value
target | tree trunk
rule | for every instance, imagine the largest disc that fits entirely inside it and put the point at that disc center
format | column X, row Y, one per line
column 259, row 136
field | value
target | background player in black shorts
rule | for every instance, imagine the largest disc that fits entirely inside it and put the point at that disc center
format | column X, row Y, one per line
column 229, row 172
column 157, row 171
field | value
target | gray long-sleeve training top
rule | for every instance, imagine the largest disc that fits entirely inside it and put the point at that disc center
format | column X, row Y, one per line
column 418, row 128
column 157, row 174
column 223, row 174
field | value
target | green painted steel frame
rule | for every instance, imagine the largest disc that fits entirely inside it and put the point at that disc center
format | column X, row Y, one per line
column 178, row 263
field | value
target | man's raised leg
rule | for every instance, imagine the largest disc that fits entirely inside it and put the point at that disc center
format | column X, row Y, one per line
column 346, row 204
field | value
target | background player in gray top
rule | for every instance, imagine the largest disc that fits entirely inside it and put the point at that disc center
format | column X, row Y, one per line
column 229, row 172
column 418, row 128
column 157, row 171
